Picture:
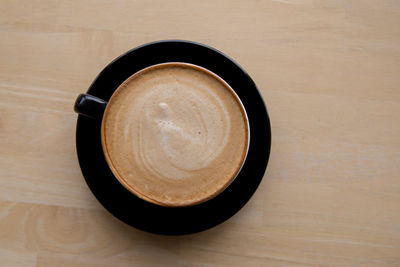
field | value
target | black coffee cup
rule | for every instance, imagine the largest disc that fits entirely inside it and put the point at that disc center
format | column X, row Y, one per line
column 143, row 214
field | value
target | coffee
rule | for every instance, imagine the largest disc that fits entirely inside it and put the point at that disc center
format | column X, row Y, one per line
column 175, row 134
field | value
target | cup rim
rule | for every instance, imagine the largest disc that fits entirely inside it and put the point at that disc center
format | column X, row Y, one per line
column 123, row 181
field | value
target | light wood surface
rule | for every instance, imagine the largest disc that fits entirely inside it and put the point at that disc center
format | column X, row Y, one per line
column 329, row 72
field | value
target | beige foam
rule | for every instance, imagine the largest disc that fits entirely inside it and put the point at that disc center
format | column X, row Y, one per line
column 175, row 134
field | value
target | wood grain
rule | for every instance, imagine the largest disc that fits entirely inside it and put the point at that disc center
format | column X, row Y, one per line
column 328, row 72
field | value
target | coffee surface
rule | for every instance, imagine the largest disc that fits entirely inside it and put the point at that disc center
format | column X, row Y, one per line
column 175, row 134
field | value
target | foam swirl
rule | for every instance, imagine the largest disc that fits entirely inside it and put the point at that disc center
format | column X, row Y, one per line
column 169, row 131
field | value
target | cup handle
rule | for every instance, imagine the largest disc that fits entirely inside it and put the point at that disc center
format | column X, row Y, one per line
column 90, row 106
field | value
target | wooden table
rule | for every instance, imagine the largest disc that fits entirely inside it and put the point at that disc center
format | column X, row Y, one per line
column 329, row 72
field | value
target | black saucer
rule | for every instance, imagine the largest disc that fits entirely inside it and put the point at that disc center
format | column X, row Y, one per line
column 150, row 217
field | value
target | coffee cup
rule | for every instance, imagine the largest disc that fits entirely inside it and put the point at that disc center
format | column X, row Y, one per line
column 174, row 134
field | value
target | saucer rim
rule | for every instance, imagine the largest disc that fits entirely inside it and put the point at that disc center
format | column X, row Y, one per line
column 209, row 221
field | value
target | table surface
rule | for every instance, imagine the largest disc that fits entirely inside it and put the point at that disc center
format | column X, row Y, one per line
column 329, row 72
